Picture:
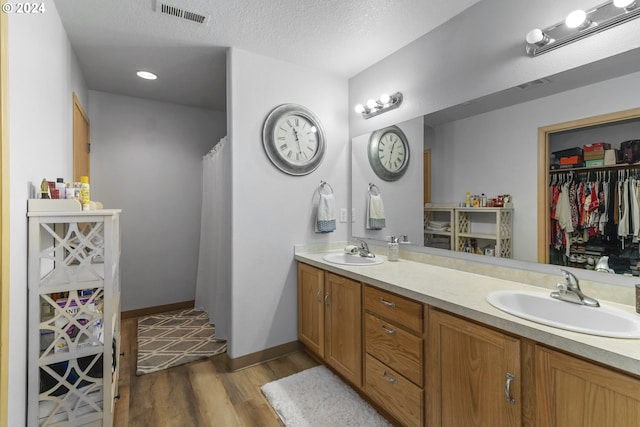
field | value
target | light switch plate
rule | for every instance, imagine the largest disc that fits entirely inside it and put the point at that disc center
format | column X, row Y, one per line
column 343, row 214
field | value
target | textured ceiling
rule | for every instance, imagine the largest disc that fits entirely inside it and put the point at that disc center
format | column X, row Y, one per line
column 114, row 38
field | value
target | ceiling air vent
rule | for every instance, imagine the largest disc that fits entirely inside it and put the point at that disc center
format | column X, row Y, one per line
column 167, row 8
column 534, row 83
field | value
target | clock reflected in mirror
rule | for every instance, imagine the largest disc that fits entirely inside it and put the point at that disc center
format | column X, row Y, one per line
column 388, row 153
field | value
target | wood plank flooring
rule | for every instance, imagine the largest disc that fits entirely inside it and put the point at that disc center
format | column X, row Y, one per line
column 198, row 394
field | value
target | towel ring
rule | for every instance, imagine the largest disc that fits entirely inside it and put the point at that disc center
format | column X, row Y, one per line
column 374, row 190
column 323, row 186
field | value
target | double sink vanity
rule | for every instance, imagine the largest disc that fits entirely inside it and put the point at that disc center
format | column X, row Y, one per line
column 436, row 346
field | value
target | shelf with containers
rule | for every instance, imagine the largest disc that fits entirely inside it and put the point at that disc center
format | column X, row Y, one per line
column 74, row 314
column 482, row 227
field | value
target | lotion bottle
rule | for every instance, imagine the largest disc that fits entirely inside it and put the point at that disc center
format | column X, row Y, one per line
column 85, row 193
column 393, row 249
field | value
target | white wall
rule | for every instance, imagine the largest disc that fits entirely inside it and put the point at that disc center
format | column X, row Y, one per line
column 43, row 73
column 496, row 152
column 399, row 197
column 478, row 53
column 146, row 158
column 273, row 211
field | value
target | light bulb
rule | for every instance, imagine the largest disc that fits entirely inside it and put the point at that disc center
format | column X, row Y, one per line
column 371, row 103
column 359, row 108
column 626, row 4
column 385, row 98
column 147, row 75
column 535, row 36
column 576, row 19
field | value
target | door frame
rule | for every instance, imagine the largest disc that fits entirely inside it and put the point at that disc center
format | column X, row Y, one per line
column 4, row 219
column 544, row 134
column 77, row 106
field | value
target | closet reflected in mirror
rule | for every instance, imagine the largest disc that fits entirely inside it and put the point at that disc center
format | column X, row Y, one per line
column 592, row 201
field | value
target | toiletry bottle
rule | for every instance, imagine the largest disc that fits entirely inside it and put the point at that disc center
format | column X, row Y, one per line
column 44, row 189
column 61, row 187
column 468, row 199
column 85, row 193
column 393, row 249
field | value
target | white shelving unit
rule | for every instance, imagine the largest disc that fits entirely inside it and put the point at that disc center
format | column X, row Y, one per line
column 496, row 224
column 433, row 235
column 74, row 316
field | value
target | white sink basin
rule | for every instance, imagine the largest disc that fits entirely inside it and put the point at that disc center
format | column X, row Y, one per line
column 541, row 308
column 351, row 259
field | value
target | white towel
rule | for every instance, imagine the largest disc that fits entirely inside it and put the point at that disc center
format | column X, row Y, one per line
column 326, row 218
column 375, row 213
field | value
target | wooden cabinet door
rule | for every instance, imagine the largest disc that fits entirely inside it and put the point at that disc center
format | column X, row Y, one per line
column 311, row 308
column 573, row 392
column 466, row 375
column 343, row 306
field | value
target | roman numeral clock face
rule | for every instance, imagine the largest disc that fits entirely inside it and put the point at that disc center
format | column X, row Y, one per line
column 388, row 153
column 294, row 139
column 297, row 139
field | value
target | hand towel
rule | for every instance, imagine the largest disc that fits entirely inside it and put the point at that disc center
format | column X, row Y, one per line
column 375, row 213
column 326, row 218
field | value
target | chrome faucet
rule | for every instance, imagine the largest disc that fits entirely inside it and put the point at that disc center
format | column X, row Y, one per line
column 363, row 250
column 570, row 291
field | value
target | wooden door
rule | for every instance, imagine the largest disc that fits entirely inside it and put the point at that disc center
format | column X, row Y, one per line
column 311, row 308
column 466, row 375
column 81, row 142
column 573, row 392
column 343, row 305
column 427, row 176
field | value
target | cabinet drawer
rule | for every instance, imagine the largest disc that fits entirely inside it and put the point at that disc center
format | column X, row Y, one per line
column 396, row 348
column 399, row 396
column 402, row 311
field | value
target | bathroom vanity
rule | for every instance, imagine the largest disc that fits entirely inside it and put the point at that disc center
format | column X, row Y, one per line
column 422, row 344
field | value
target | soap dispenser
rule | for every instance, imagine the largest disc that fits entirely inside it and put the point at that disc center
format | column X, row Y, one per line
column 393, row 249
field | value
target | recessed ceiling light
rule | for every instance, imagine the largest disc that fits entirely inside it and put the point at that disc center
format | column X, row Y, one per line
column 146, row 75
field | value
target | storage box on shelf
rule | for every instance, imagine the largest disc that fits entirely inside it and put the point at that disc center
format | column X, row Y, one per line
column 74, row 315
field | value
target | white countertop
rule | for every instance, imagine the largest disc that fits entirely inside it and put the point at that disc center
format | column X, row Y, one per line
column 464, row 293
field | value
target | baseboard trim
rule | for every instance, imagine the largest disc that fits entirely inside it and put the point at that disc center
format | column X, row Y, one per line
column 262, row 356
column 148, row 311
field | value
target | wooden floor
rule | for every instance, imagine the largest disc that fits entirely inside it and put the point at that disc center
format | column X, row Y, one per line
column 197, row 394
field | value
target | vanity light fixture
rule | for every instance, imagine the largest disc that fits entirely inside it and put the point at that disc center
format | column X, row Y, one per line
column 579, row 24
column 374, row 107
column 147, row 75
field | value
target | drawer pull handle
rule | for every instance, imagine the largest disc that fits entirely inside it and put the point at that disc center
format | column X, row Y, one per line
column 507, row 388
column 389, row 331
column 326, row 299
column 318, row 296
column 387, row 303
column 388, row 378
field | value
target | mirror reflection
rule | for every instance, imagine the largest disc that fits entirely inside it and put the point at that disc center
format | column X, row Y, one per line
column 385, row 207
column 493, row 151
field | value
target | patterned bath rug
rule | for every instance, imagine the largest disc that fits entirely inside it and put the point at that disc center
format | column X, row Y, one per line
column 176, row 338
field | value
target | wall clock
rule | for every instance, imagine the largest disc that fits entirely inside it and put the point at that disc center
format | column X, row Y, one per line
column 388, row 153
column 294, row 139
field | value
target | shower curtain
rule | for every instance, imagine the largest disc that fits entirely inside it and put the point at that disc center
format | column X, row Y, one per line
column 214, row 274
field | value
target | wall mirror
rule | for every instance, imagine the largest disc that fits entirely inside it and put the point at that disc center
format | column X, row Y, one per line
column 398, row 196
column 490, row 146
